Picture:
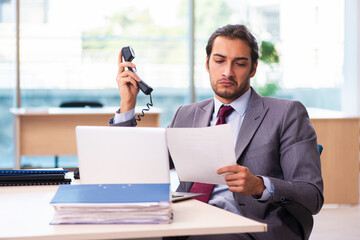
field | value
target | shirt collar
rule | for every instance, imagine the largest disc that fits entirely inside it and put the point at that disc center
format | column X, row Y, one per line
column 239, row 105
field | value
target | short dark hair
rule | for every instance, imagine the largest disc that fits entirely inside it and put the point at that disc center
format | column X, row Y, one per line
column 234, row 32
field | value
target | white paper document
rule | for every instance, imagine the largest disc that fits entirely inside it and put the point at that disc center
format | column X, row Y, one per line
column 143, row 213
column 198, row 153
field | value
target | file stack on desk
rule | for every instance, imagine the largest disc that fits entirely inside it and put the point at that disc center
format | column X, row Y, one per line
column 33, row 177
column 112, row 204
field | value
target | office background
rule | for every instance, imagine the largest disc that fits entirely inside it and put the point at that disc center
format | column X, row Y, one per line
column 69, row 50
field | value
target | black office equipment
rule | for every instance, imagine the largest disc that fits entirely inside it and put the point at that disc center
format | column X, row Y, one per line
column 77, row 173
column 80, row 104
column 128, row 54
column 33, row 177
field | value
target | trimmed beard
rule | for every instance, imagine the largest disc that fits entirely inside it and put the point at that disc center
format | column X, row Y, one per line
column 232, row 95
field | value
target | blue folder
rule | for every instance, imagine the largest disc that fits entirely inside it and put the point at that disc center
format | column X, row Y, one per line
column 112, row 193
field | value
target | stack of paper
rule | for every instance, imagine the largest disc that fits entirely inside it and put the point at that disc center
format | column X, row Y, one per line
column 112, row 203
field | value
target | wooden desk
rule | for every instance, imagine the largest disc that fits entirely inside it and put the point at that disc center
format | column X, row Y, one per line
column 26, row 213
column 52, row 131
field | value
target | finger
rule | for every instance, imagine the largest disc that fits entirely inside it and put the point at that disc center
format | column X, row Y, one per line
column 124, row 65
column 131, row 74
column 126, row 80
column 223, row 170
column 238, row 189
column 121, row 69
column 233, row 169
column 132, row 82
column 233, row 177
column 236, row 185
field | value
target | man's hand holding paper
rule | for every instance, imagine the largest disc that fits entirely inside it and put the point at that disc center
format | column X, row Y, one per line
column 198, row 153
column 241, row 180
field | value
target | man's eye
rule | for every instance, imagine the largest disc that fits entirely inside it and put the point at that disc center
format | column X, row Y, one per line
column 241, row 64
column 219, row 61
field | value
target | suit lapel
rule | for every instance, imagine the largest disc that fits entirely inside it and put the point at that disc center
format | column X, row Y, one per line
column 203, row 114
column 252, row 120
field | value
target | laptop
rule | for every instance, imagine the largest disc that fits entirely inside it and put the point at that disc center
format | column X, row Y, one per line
column 111, row 155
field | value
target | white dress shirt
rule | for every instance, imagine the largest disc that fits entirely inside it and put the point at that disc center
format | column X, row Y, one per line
column 221, row 196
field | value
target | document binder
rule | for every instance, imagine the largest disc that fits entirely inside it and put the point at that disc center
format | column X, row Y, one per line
column 112, row 204
column 27, row 177
column 112, row 193
column 31, row 171
column 35, row 182
column 33, row 177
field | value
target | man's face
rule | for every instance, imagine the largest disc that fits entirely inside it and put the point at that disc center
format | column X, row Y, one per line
column 229, row 67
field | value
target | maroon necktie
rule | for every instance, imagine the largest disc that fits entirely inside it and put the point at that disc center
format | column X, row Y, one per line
column 206, row 188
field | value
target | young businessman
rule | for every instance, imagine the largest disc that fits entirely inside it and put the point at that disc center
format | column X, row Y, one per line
column 276, row 147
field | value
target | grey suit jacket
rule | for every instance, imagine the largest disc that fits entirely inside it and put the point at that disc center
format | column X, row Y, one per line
column 276, row 140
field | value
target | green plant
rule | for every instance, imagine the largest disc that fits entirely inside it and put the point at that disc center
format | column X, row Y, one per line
column 269, row 56
column 268, row 53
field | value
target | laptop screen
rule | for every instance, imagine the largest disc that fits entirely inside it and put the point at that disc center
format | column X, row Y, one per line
column 111, row 155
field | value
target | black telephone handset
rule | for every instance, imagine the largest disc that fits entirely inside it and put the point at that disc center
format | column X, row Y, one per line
column 128, row 55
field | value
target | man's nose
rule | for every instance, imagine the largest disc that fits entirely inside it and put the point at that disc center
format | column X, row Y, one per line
column 228, row 70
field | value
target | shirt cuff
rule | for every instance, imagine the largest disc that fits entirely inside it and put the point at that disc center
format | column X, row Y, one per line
column 123, row 117
column 268, row 192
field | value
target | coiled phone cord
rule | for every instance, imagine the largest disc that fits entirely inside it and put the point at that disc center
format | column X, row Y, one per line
column 139, row 116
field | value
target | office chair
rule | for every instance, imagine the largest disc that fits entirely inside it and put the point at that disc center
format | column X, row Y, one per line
column 320, row 148
column 302, row 215
column 76, row 104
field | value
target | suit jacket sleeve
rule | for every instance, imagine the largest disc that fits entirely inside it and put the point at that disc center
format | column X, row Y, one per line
column 299, row 160
column 129, row 123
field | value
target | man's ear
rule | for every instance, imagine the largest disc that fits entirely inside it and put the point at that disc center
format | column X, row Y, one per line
column 252, row 74
column 207, row 64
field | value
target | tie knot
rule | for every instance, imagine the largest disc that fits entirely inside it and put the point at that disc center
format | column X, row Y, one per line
column 224, row 112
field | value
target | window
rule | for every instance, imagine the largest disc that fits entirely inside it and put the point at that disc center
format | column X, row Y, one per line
column 7, row 82
column 75, row 55
column 7, row 11
column 308, row 36
column 69, row 51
